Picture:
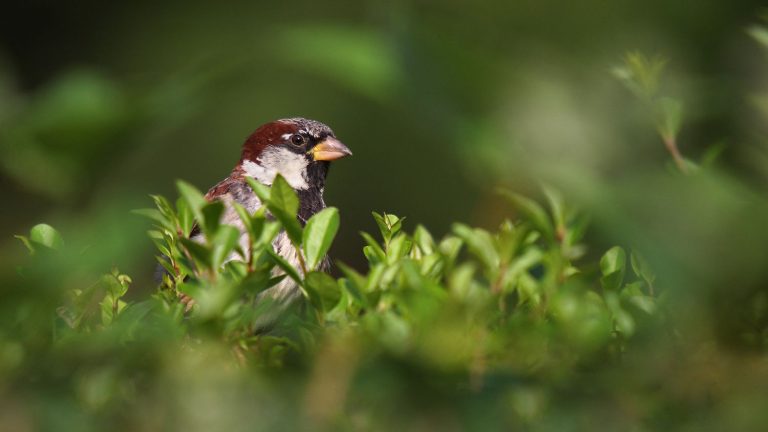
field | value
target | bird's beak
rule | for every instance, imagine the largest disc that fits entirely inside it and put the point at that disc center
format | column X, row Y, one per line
column 330, row 149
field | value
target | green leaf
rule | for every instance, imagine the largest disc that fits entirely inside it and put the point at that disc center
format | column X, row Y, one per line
column 615, row 259
column 195, row 200
column 398, row 248
column 318, row 235
column 556, row 205
column 641, row 268
column 759, row 33
column 644, row 303
column 26, row 242
column 532, row 211
column 257, row 282
column 325, row 288
column 641, row 74
column 530, row 258
column 612, row 266
column 383, row 228
column 388, row 224
column 424, row 240
column 509, row 238
column 285, row 266
column 374, row 247
column 46, row 235
column 261, row 190
column 186, row 217
column 165, row 208
column 201, row 254
column 393, row 222
column 153, row 214
column 480, row 243
column 223, row 243
column 269, row 232
column 622, row 319
column 211, row 220
column 245, row 218
column 461, row 279
column 355, row 284
column 612, row 281
column 371, row 255
column 670, row 117
column 450, row 246
column 282, row 196
column 166, row 265
column 284, row 204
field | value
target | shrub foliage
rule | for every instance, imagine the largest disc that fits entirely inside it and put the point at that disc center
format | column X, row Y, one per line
column 521, row 302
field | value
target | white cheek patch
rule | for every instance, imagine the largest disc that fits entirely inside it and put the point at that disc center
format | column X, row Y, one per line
column 292, row 166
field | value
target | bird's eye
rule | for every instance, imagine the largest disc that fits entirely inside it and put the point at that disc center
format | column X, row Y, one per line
column 298, row 139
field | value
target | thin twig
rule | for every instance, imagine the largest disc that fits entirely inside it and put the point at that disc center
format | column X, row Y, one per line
column 302, row 264
column 671, row 143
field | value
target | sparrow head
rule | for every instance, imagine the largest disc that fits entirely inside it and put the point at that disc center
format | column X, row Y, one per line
column 298, row 149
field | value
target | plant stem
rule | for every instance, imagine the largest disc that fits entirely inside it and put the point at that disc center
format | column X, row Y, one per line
column 301, row 259
column 671, row 143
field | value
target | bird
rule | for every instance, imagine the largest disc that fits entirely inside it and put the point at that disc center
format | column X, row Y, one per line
column 298, row 149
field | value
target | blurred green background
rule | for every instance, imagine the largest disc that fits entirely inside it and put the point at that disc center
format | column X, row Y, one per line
column 102, row 104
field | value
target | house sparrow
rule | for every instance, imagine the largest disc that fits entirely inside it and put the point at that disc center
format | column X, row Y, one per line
column 298, row 149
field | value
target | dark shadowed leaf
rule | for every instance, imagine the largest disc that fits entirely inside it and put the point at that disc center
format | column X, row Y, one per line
column 325, row 288
column 201, row 254
column 211, row 220
column 356, row 284
column 641, row 268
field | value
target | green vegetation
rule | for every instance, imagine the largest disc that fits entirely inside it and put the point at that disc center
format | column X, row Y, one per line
column 469, row 309
column 622, row 286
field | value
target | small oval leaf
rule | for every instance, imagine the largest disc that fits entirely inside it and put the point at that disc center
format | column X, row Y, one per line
column 46, row 235
column 319, row 234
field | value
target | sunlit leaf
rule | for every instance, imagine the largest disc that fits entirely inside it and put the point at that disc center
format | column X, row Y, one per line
column 480, row 243
column 284, row 265
column 423, row 239
column 46, row 235
column 319, row 234
column 186, row 216
column 195, row 200
column 532, row 211
column 223, row 243
column 615, row 259
column 284, row 204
